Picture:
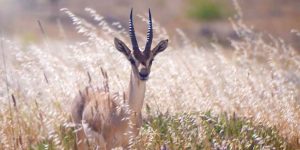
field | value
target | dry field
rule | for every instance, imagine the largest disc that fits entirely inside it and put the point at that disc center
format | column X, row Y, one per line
column 197, row 97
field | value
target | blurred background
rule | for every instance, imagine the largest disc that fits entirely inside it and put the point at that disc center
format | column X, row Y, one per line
column 202, row 21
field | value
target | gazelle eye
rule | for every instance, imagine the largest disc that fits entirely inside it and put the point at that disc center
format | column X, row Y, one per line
column 132, row 61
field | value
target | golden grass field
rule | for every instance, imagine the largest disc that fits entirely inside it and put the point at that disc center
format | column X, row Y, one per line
column 242, row 97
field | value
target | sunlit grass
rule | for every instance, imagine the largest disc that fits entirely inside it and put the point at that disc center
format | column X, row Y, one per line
column 197, row 97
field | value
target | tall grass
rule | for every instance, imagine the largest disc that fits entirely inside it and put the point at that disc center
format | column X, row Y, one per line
column 190, row 89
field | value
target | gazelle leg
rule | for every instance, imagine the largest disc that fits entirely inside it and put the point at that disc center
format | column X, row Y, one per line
column 81, row 140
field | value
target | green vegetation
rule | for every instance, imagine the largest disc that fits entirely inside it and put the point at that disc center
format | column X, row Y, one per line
column 190, row 131
column 207, row 10
column 207, row 131
column 65, row 140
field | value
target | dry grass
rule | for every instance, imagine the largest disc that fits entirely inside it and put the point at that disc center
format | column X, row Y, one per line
column 257, row 81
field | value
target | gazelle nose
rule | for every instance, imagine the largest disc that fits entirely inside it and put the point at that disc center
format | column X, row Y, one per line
column 143, row 73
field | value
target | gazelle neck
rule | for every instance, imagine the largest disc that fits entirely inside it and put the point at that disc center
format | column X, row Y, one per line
column 136, row 93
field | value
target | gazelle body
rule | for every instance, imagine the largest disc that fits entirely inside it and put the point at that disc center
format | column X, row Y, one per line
column 104, row 120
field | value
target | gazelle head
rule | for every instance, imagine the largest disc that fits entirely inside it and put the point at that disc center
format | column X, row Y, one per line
column 141, row 61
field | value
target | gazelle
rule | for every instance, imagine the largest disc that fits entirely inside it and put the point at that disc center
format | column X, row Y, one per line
column 101, row 117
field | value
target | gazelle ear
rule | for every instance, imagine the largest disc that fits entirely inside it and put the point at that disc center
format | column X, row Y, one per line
column 121, row 47
column 161, row 46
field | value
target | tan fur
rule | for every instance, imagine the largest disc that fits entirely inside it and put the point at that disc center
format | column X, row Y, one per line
column 103, row 120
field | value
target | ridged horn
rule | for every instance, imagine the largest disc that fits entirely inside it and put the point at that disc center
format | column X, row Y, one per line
column 134, row 43
column 149, row 34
